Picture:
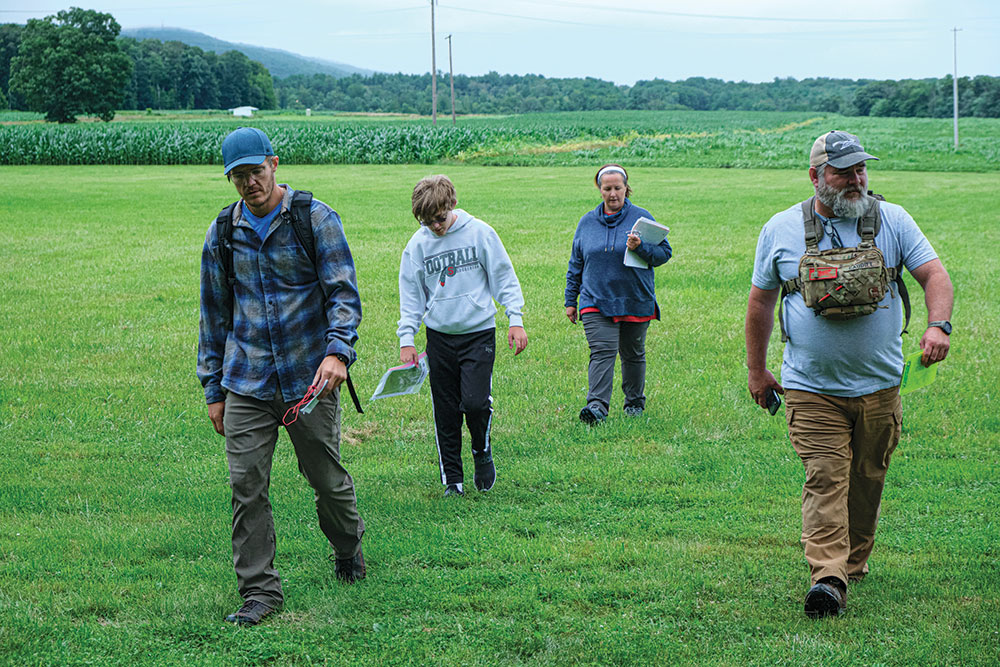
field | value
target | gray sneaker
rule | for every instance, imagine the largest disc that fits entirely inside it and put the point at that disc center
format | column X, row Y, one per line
column 590, row 416
column 251, row 613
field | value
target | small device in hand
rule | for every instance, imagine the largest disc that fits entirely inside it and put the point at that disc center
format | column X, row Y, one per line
column 308, row 407
column 773, row 401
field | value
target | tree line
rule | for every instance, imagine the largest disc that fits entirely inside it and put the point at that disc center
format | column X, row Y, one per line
column 76, row 63
column 509, row 93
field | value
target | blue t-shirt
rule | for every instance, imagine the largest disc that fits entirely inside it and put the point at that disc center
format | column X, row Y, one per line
column 852, row 357
column 260, row 225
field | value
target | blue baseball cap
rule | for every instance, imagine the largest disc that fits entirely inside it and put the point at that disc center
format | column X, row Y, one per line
column 245, row 145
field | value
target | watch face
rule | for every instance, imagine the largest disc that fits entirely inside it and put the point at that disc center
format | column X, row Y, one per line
column 944, row 326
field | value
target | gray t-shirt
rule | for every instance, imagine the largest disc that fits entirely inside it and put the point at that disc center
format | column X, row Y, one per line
column 847, row 358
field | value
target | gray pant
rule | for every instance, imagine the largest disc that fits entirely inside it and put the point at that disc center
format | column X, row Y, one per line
column 608, row 339
column 251, row 432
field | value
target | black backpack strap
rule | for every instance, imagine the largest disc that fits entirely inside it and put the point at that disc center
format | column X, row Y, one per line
column 354, row 394
column 905, row 296
column 302, row 222
column 224, row 237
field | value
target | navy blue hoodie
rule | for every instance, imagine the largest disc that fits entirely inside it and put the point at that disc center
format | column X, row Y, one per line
column 597, row 273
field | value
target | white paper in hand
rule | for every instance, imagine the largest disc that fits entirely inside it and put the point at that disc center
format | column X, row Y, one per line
column 649, row 231
column 400, row 380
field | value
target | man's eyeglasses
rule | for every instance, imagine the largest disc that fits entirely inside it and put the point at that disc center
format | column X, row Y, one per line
column 242, row 177
column 440, row 220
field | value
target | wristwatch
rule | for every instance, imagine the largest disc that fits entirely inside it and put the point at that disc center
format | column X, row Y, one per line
column 943, row 325
column 344, row 360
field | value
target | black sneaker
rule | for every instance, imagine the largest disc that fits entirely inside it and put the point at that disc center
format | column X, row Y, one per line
column 251, row 613
column 453, row 490
column 827, row 597
column 633, row 411
column 486, row 472
column 591, row 416
column 350, row 570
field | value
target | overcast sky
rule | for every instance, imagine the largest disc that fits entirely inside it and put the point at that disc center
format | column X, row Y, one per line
column 618, row 41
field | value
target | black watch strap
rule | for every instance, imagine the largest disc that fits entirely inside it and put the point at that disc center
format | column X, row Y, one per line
column 943, row 325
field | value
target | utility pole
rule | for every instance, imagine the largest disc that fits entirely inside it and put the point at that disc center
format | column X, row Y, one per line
column 434, row 73
column 451, row 76
column 954, row 83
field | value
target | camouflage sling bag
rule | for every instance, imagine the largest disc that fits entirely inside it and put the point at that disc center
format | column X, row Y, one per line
column 843, row 283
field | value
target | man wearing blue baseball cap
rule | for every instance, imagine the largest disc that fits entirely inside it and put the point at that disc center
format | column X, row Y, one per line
column 835, row 261
column 279, row 316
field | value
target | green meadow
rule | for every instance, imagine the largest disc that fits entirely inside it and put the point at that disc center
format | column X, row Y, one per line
column 669, row 539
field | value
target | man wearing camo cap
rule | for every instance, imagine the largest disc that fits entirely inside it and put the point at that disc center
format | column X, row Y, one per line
column 843, row 356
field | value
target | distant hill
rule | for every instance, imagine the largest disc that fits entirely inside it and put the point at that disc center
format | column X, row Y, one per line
column 280, row 63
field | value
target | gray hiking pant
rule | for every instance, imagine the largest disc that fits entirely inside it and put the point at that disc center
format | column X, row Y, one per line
column 251, row 432
column 608, row 339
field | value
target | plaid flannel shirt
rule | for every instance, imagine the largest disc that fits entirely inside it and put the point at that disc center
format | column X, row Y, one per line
column 283, row 325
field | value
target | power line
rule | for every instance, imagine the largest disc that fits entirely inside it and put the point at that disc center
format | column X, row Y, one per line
column 617, row 9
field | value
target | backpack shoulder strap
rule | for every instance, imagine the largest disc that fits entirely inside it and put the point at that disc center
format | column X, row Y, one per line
column 224, row 236
column 813, row 230
column 870, row 222
column 302, row 222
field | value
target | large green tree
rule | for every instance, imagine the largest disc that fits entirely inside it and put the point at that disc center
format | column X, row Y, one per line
column 10, row 42
column 71, row 64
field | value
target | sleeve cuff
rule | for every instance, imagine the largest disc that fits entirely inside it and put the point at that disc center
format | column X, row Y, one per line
column 406, row 341
column 340, row 347
column 515, row 320
column 214, row 395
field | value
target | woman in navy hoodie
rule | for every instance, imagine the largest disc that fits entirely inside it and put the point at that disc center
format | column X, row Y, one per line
column 616, row 302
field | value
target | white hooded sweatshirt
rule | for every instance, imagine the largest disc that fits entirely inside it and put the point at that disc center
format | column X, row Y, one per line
column 450, row 281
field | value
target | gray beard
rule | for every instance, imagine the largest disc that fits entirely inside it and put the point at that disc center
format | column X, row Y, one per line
column 837, row 201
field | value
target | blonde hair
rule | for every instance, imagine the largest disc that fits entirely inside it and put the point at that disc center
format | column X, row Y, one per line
column 432, row 197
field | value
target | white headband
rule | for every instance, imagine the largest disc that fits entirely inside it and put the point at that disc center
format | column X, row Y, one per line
column 612, row 170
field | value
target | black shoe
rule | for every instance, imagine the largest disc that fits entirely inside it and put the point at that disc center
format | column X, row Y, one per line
column 453, row 490
column 827, row 597
column 486, row 472
column 591, row 416
column 350, row 570
column 633, row 411
column 251, row 613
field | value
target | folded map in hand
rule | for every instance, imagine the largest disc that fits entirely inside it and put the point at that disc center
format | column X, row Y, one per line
column 405, row 379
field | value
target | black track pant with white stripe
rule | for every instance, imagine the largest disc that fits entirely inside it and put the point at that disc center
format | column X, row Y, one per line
column 461, row 372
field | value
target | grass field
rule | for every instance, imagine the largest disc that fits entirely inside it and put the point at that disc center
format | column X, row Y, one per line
column 671, row 539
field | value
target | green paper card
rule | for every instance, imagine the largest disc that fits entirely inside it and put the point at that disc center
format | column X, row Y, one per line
column 915, row 374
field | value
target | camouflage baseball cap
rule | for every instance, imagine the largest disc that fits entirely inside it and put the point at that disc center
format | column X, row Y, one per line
column 839, row 149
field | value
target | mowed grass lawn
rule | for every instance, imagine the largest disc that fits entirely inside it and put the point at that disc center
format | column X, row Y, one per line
column 668, row 539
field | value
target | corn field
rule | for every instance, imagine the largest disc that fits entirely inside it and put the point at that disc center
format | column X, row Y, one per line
column 674, row 138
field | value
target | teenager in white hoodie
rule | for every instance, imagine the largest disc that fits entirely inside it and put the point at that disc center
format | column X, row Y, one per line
column 452, row 270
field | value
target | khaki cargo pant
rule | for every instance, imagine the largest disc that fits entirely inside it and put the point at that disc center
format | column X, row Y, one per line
column 251, row 432
column 845, row 445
